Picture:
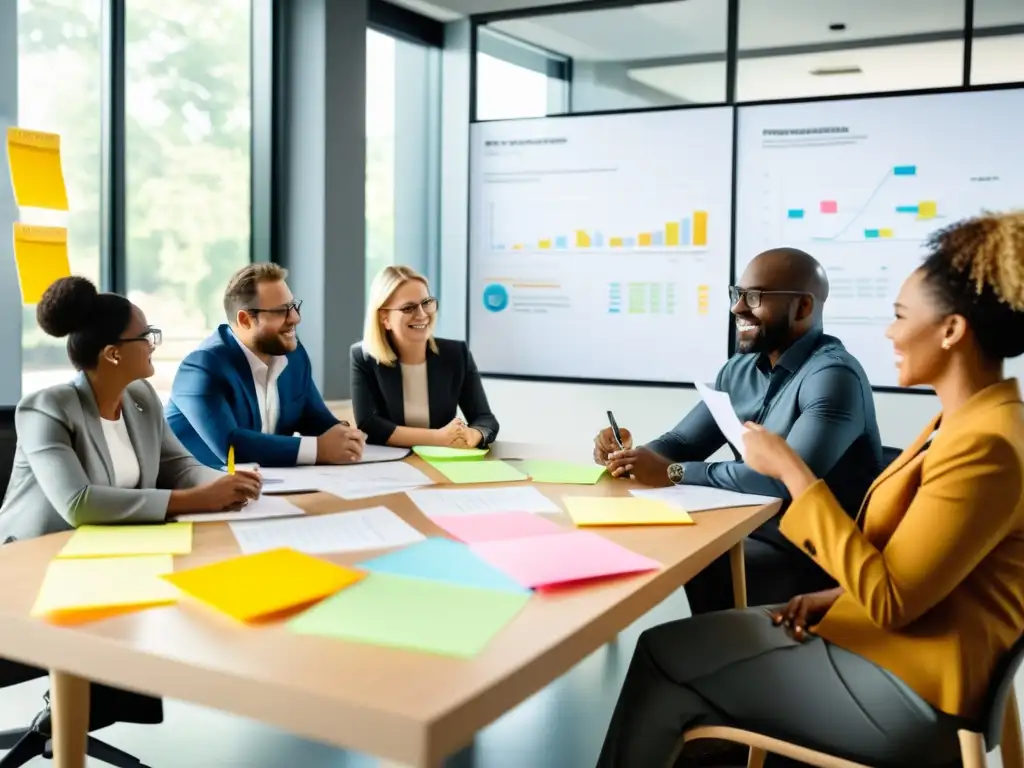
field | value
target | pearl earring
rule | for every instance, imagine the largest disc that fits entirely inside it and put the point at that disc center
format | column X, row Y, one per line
column 945, row 344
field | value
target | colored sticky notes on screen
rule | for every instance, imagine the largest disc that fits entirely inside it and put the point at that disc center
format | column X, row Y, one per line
column 36, row 172
column 123, row 540
column 415, row 614
column 623, row 510
column 547, row 561
column 443, row 560
column 463, row 472
column 41, row 255
column 95, row 584
column 253, row 587
column 563, row 472
column 434, row 452
column 497, row 525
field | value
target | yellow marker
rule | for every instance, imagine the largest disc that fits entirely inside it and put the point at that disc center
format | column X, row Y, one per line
column 231, row 459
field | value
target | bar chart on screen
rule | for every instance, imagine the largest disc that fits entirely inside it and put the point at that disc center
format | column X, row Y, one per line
column 863, row 184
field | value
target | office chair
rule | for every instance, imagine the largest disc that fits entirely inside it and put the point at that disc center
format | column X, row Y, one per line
column 108, row 704
column 890, row 454
column 998, row 725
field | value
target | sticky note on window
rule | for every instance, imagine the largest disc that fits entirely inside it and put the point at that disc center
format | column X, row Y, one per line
column 36, row 172
column 623, row 510
column 126, row 540
column 254, row 587
column 41, row 254
column 94, row 584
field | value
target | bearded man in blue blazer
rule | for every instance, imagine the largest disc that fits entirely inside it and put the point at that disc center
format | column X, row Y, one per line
column 250, row 385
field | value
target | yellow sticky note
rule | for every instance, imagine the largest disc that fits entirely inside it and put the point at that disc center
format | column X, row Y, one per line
column 41, row 254
column 74, row 586
column 36, row 172
column 123, row 540
column 623, row 510
column 256, row 586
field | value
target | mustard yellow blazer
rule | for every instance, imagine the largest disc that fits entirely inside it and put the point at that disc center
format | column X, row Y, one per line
column 933, row 568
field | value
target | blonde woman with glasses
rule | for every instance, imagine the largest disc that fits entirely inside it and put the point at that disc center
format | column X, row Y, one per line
column 407, row 385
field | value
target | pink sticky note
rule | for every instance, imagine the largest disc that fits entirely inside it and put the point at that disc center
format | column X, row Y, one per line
column 559, row 558
column 829, row 206
column 500, row 525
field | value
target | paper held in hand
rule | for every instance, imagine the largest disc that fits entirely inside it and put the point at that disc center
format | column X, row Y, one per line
column 724, row 415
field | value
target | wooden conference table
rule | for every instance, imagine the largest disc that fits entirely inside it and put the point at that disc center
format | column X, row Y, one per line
column 407, row 707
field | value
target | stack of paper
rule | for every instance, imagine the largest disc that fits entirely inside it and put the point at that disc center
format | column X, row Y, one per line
column 480, row 501
column 258, row 509
column 623, row 510
column 353, row 481
column 254, row 587
column 375, row 528
column 698, row 498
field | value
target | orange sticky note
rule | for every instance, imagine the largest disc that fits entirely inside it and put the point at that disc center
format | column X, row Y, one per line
column 41, row 254
column 252, row 587
column 36, row 172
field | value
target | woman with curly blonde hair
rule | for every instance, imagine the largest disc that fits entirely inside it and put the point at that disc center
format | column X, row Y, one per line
column 882, row 669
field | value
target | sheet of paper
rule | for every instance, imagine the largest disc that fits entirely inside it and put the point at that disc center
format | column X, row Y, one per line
column 375, row 528
column 263, row 508
column 561, row 472
column 376, row 453
column 444, row 560
column 481, row 501
column 546, row 561
column 466, row 472
column 255, row 586
column 434, row 452
column 414, row 614
column 91, row 584
column 37, row 175
column 623, row 510
column 698, row 498
column 41, row 256
column 724, row 415
column 497, row 525
column 352, row 481
column 123, row 540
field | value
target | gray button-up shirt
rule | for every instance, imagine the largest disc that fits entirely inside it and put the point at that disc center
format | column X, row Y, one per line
column 816, row 396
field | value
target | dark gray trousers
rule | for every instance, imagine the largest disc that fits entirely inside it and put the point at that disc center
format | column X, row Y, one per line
column 736, row 668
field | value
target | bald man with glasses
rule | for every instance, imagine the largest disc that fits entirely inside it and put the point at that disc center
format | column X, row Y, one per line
column 791, row 377
column 250, row 385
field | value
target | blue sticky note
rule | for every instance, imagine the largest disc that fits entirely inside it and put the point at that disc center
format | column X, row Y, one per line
column 444, row 560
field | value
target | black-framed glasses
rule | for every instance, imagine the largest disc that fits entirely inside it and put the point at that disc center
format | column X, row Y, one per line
column 153, row 336
column 752, row 296
column 429, row 306
column 282, row 311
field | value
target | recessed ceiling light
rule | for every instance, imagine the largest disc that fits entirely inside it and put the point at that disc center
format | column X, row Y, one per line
column 827, row 71
column 838, row 27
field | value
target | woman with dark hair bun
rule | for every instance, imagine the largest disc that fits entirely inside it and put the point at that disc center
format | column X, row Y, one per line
column 884, row 669
column 97, row 450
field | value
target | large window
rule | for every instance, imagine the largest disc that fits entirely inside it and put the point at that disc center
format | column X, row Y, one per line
column 187, row 147
column 59, row 91
column 402, row 148
column 515, row 79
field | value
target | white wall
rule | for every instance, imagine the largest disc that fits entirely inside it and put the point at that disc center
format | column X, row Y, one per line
column 572, row 413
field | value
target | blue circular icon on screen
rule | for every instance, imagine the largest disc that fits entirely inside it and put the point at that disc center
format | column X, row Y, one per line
column 495, row 297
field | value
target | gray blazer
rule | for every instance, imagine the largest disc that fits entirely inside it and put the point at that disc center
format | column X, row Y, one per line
column 63, row 476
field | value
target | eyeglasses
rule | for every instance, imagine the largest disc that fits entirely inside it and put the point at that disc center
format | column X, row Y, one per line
column 752, row 296
column 429, row 306
column 153, row 336
column 283, row 311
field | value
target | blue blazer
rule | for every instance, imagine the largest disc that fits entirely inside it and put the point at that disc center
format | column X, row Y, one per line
column 213, row 405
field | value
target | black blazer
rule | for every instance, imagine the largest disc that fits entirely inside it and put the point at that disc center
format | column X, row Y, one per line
column 452, row 382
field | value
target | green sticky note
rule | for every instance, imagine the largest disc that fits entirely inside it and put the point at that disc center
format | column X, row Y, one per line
column 564, row 472
column 444, row 453
column 123, row 540
column 418, row 614
column 478, row 471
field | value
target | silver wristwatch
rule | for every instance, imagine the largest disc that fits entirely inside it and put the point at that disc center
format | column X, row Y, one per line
column 676, row 473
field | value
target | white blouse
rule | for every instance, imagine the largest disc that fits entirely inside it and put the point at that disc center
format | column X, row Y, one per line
column 122, row 453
